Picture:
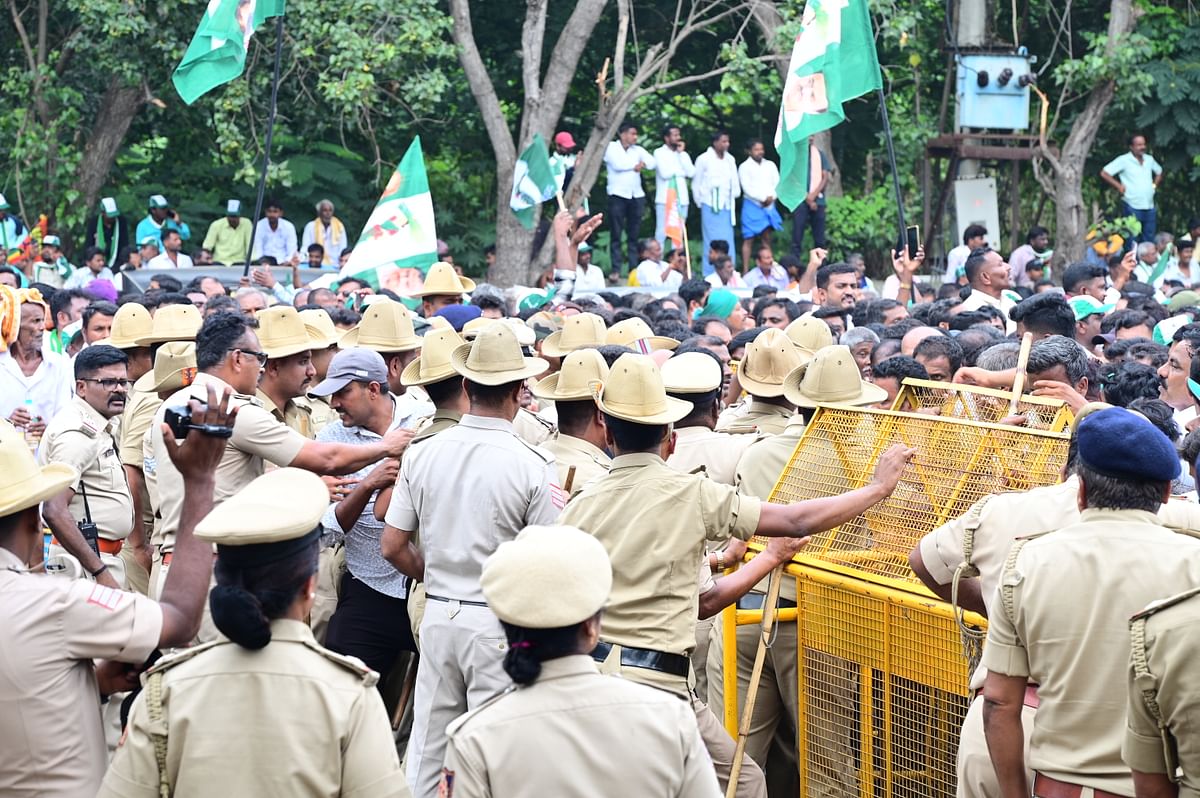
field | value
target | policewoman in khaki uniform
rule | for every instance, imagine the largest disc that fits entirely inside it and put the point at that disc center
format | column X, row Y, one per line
column 654, row 522
column 262, row 710
column 84, row 435
column 577, row 448
column 769, row 358
column 1064, row 600
column 565, row 730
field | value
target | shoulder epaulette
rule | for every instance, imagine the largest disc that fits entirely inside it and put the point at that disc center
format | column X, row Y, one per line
column 1162, row 604
column 183, row 655
column 352, row 664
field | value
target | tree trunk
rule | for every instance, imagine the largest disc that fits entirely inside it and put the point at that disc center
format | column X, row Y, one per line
column 117, row 110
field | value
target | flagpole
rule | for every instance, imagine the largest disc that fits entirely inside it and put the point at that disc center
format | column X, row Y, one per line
column 262, row 178
column 891, row 147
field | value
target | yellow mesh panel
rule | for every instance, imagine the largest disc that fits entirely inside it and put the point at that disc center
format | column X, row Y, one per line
column 980, row 404
column 957, row 462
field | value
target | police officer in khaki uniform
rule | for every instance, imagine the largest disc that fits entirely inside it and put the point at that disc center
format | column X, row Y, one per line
column 637, row 335
column 289, row 370
column 83, row 435
column 654, row 522
column 578, row 448
column 465, row 490
column 696, row 377
column 140, row 336
column 443, row 286
column 55, row 629
column 228, row 355
column 580, row 733
column 1064, row 603
column 831, row 377
column 583, row 330
column 324, row 337
column 1160, row 745
column 769, row 358
column 174, row 370
column 263, row 705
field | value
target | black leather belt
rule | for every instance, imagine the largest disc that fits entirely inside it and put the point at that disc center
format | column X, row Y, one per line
column 755, row 601
column 460, row 601
column 673, row 664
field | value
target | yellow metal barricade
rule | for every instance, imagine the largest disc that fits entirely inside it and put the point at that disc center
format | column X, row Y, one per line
column 882, row 676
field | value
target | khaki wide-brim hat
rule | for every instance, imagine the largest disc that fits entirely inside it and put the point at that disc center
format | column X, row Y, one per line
column 810, row 333
column 637, row 335
column 433, row 364
column 573, row 382
column 634, row 392
column 22, row 483
column 831, row 378
column 562, row 562
column 692, row 373
column 281, row 332
column 174, row 368
column 578, row 331
column 281, row 505
column 768, row 360
column 173, row 323
column 442, row 280
column 131, row 324
column 494, row 358
column 321, row 330
column 385, row 327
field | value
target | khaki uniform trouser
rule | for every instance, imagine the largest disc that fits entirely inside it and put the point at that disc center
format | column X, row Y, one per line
column 158, row 578
column 976, row 777
column 331, row 566
column 704, row 629
column 416, row 610
column 137, row 578
column 62, row 563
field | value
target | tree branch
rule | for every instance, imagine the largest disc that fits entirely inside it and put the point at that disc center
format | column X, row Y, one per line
column 23, row 35
column 533, row 33
column 564, row 61
column 623, row 14
column 481, row 83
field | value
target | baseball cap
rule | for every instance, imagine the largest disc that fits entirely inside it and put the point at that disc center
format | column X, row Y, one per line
column 564, row 139
column 109, row 206
column 1085, row 306
column 233, row 207
column 149, row 241
column 352, row 365
column 51, row 241
column 158, row 201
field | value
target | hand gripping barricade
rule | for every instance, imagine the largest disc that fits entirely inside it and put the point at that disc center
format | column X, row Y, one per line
column 882, row 672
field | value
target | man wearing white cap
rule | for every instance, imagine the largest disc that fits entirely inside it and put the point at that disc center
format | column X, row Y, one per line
column 228, row 238
column 160, row 217
column 108, row 230
column 52, row 268
column 326, row 230
column 466, row 490
column 12, row 229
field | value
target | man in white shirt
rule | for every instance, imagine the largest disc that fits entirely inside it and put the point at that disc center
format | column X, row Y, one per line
column 94, row 268
column 671, row 161
column 625, row 161
column 974, row 237
column 716, row 185
column 759, row 178
column 653, row 271
column 328, row 231
column 589, row 278
column 988, row 276
column 172, row 256
column 724, row 275
column 275, row 236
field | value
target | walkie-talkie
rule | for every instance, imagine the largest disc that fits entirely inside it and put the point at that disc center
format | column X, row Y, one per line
column 86, row 527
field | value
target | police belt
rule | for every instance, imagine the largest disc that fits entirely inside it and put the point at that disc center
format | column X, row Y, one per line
column 105, row 545
column 464, row 602
column 651, row 660
column 755, row 601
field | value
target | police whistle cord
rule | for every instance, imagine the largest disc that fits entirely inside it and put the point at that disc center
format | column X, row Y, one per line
column 770, row 608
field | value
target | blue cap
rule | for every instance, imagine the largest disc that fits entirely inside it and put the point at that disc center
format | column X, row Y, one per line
column 1121, row 444
column 458, row 315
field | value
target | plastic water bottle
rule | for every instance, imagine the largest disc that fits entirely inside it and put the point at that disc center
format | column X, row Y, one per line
column 32, row 439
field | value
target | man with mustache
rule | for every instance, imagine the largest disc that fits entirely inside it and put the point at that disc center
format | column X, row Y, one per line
column 84, row 435
column 289, row 369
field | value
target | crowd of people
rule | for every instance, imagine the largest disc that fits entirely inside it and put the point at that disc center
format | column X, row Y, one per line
column 439, row 518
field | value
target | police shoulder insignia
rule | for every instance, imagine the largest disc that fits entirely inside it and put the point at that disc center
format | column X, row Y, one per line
column 446, row 786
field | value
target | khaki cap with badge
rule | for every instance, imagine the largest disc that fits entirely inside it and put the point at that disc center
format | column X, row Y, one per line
column 832, row 377
column 560, row 561
column 385, row 327
column 634, row 392
column 321, row 330
column 131, row 323
column 433, row 364
column 173, row 323
column 578, row 331
column 572, row 383
column 768, row 360
column 637, row 335
column 442, row 280
column 692, row 373
column 23, row 484
column 256, row 517
column 494, row 357
column 174, row 368
column 809, row 333
column 281, row 332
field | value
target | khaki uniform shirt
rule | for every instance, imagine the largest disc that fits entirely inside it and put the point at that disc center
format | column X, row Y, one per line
column 294, row 414
column 49, row 702
column 760, row 417
column 596, row 730
column 532, row 428
column 1072, row 593
column 86, row 440
column 250, row 723
column 140, row 408
column 1168, row 651
column 320, row 414
column 257, row 437
column 440, row 421
column 588, row 461
column 654, row 522
column 466, row 491
column 718, row 452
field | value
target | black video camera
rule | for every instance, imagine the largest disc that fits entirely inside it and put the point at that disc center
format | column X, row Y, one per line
column 179, row 419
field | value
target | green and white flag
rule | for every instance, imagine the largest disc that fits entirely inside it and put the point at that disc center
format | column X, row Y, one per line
column 833, row 61
column 400, row 233
column 217, row 53
column 533, row 182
